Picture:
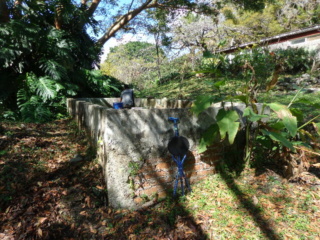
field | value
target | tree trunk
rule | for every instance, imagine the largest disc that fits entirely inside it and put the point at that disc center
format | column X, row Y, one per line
column 156, row 36
column 93, row 7
column 16, row 12
column 4, row 12
column 58, row 16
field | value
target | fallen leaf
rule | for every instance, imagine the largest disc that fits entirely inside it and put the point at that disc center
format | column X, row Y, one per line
column 41, row 220
column 39, row 232
column 92, row 230
column 83, row 213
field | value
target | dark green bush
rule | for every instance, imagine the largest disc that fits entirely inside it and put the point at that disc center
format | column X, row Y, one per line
column 263, row 61
column 40, row 66
column 295, row 60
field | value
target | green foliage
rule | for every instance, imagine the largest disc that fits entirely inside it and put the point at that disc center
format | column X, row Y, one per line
column 283, row 113
column 224, row 65
column 264, row 63
column 228, row 123
column 252, row 116
column 271, row 19
column 295, row 60
column 136, row 49
column 40, row 65
column 279, row 138
column 169, row 77
column 133, row 168
column 133, row 62
column 208, row 137
column 317, row 127
column 274, row 132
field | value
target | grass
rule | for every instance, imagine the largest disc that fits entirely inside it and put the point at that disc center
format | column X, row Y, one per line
column 239, row 207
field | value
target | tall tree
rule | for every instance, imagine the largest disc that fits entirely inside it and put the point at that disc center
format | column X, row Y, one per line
column 128, row 62
column 277, row 17
column 62, row 14
column 46, row 49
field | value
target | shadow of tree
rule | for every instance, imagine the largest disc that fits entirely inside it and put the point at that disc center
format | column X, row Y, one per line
column 266, row 225
column 233, row 155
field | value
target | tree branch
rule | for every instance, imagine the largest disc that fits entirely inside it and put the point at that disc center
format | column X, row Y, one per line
column 124, row 20
column 93, row 6
column 84, row 4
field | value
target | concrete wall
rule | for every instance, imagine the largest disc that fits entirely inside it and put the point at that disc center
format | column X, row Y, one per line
column 132, row 145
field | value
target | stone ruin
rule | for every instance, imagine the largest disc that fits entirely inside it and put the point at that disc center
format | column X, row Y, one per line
column 132, row 145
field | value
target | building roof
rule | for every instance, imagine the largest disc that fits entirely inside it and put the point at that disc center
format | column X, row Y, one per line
column 276, row 39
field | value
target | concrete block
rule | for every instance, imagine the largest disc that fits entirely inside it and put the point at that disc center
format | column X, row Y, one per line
column 139, row 137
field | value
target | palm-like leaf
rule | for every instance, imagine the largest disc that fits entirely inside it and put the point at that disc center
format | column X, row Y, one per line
column 53, row 69
column 42, row 65
column 46, row 88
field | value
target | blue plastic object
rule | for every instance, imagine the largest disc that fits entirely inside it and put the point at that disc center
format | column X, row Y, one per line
column 178, row 147
column 117, row 105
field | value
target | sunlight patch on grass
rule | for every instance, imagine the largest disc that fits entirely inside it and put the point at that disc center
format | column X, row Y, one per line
column 229, row 214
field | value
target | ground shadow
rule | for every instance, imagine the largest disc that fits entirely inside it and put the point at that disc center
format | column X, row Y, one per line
column 169, row 211
column 233, row 154
column 256, row 213
column 230, row 166
column 315, row 171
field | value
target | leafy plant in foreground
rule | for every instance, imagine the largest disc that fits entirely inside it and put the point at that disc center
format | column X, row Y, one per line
column 42, row 65
column 277, row 131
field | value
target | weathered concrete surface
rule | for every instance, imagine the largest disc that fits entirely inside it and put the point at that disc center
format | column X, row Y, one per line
column 139, row 137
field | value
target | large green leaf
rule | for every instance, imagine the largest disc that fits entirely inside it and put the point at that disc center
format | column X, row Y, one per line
column 252, row 116
column 288, row 119
column 243, row 98
column 291, row 125
column 281, row 110
column 277, row 125
column 298, row 113
column 228, row 122
column 202, row 103
column 53, row 69
column 46, row 88
column 208, row 137
column 279, row 138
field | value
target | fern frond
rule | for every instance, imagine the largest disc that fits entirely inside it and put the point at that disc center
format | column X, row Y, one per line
column 46, row 88
column 22, row 97
column 35, row 110
column 52, row 68
column 7, row 56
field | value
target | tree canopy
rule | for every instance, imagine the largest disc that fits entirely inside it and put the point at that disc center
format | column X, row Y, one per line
column 128, row 62
column 49, row 49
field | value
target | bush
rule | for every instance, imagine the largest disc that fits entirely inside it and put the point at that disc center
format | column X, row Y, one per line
column 263, row 61
column 295, row 60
